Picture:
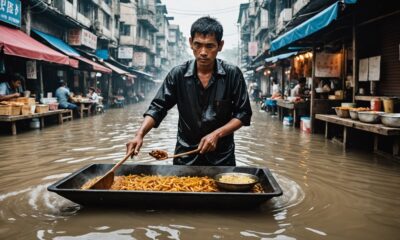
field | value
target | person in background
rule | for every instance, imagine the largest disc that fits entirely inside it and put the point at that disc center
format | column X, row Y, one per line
column 94, row 99
column 211, row 99
column 276, row 94
column 12, row 88
column 63, row 96
column 298, row 90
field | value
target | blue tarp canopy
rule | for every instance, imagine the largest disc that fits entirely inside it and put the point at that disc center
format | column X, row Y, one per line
column 312, row 25
column 58, row 43
column 279, row 57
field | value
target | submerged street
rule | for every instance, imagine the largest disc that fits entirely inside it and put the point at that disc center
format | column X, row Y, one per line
column 328, row 193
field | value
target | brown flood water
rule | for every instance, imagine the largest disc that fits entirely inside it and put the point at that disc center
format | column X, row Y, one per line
column 328, row 193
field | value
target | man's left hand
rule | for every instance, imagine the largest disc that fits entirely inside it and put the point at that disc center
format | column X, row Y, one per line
column 208, row 143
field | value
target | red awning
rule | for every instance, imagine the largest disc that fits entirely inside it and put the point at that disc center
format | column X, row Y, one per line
column 74, row 63
column 96, row 67
column 17, row 43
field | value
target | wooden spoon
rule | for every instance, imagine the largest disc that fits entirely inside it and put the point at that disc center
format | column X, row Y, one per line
column 162, row 155
column 106, row 181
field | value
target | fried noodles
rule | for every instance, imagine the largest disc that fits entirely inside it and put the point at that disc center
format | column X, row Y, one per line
column 166, row 184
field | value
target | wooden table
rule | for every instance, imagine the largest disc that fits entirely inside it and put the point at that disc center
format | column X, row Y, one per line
column 377, row 129
column 41, row 116
column 84, row 106
column 294, row 107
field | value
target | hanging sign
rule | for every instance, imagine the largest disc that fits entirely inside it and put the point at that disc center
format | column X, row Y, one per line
column 139, row 59
column 363, row 70
column 125, row 52
column 374, row 68
column 253, row 48
column 10, row 12
column 82, row 37
column 328, row 65
column 31, row 72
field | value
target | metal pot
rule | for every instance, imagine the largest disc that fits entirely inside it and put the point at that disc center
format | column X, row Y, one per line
column 343, row 113
column 236, row 187
column 370, row 116
column 354, row 114
column 391, row 119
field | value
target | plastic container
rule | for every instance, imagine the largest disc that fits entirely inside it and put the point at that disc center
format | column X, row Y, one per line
column 376, row 104
column 35, row 123
column 388, row 105
column 305, row 124
column 350, row 105
column 288, row 121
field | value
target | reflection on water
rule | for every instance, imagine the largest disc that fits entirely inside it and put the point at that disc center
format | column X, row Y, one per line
column 328, row 193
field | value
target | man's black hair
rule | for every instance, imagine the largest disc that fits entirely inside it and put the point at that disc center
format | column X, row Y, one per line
column 207, row 26
column 16, row 77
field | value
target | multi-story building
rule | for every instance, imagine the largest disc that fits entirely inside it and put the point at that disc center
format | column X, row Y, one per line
column 162, row 60
column 173, row 37
column 244, row 25
column 138, row 30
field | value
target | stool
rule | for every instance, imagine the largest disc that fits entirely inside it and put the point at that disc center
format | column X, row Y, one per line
column 84, row 109
column 65, row 115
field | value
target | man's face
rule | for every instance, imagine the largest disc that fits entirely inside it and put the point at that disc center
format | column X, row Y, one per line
column 205, row 48
column 16, row 83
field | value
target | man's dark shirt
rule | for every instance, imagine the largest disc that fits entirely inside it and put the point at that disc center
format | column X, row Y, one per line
column 203, row 110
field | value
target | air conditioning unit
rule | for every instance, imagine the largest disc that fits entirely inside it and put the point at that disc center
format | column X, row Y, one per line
column 286, row 14
column 96, row 25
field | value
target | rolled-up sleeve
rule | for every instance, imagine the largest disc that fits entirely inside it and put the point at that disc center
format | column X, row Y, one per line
column 3, row 89
column 164, row 100
column 241, row 102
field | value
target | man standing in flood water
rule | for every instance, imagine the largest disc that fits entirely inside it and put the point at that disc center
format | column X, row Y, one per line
column 211, row 98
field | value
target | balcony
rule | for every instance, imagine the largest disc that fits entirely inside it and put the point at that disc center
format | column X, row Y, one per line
column 160, row 35
column 84, row 20
column 66, row 8
column 127, row 40
column 147, row 18
column 298, row 5
column 107, row 32
column 262, row 22
column 284, row 17
column 153, row 49
column 142, row 43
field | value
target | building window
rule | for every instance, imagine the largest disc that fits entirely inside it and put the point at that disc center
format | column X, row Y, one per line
column 71, row 1
column 139, row 32
column 85, row 8
column 106, row 20
column 125, row 30
column 108, row 2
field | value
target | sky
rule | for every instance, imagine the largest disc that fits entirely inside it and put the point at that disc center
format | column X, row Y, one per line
column 185, row 12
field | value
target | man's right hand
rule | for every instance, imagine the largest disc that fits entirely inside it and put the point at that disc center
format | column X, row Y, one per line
column 15, row 95
column 134, row 145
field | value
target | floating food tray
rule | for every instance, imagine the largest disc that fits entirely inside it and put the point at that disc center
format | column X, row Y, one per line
column 70, row 188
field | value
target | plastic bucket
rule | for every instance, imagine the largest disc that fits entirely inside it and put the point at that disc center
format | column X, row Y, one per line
column 288, row 121
column 35, row 123
column 305, row 124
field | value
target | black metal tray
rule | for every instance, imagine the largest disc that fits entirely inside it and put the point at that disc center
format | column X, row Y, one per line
column 69, row 187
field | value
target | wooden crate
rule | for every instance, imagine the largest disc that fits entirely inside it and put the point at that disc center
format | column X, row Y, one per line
column 25, row 100
column 5, row 110
column 16, row 110
column 42, row 108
